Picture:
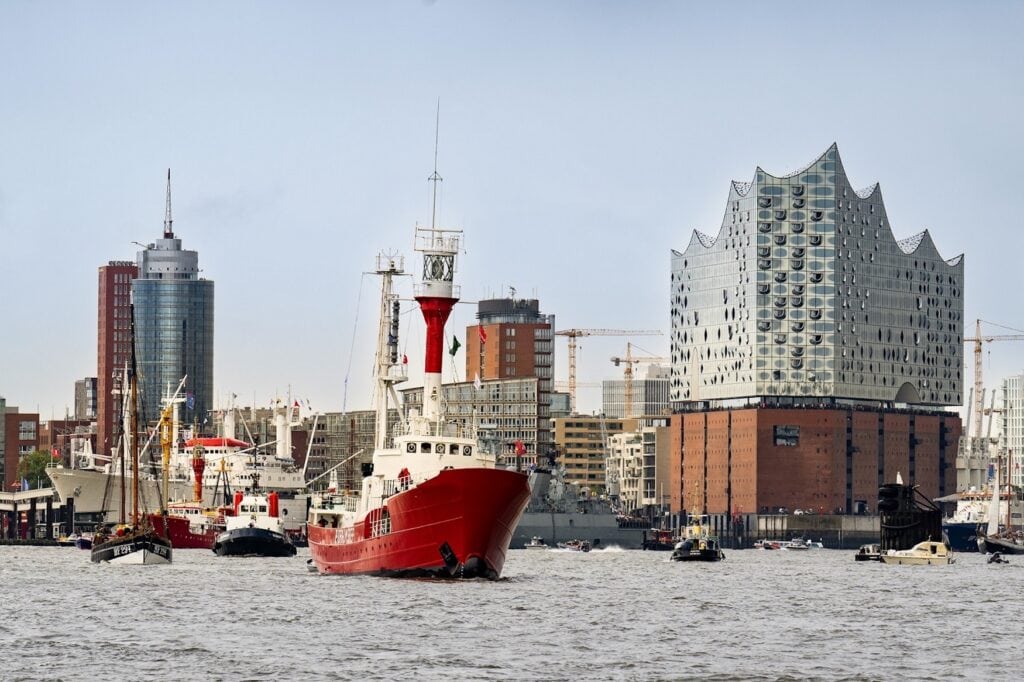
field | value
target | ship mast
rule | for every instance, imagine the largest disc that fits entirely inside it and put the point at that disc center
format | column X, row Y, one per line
column 389, row 370
column 436, row 294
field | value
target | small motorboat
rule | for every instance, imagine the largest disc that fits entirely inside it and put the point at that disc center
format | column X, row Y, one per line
column 767, row 544
column 536, row 542
column 927, row 553
column 869, row 552
column 575, row 545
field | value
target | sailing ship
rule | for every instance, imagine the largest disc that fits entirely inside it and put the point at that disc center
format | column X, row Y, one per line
column 996, row 538
column 434, row 503
column 133, row 540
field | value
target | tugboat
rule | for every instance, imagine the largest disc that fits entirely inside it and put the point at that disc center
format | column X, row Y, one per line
column 696, row 542
column 433, row 502
column 256, row 527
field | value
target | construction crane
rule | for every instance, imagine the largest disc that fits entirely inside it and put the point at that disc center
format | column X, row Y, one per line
column 573, row 334
column 627, row 376
column 978, row 340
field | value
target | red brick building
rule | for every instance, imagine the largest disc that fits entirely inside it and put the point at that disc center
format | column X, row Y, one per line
column 21, row 436
column 113, row 343
column 756, row 459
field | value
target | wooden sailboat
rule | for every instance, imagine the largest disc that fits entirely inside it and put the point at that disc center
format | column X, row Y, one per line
column 133, row 540
column 992, row 540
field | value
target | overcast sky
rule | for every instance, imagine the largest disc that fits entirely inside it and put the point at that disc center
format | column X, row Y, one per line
column 579, row 143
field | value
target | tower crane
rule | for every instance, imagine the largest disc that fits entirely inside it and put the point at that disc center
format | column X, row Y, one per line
column 573, row 334
column 978, row 340
column 627, row 375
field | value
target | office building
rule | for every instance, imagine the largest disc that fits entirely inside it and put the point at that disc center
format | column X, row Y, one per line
column 85, row 398
column 513, row 339
column 650, row 394
column 801, row 332
column 114, row 317
column 174, row 323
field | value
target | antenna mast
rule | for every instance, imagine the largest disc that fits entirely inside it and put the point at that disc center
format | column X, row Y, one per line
column 435, row 178
column 168, row 221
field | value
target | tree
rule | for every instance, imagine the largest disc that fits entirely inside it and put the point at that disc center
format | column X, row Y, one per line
column 32, row 467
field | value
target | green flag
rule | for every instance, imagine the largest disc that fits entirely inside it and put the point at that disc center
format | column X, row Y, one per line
column 455, row 346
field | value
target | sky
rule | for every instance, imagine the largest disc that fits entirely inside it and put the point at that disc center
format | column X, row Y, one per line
column 579, row 143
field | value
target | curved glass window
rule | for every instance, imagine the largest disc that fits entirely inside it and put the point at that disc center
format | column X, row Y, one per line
column 764, row 202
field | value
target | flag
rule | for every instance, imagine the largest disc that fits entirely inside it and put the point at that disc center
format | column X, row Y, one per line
column 455, row 346
column 190, row 400
column 405, row 359
column 56, row 453
column 483, row 333
column 24, row 484
column 476, row 382
column 296, row 404
column 520, row 448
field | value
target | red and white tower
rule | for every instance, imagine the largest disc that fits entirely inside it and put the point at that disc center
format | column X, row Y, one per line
column 436, row 294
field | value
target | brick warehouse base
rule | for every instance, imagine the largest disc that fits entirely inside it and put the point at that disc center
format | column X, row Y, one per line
column 829, row 460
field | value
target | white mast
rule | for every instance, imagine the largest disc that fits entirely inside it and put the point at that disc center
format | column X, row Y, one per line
column 389, row 370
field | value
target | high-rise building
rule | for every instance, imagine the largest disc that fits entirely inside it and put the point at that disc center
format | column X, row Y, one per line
column 1011, row 436
column 85, row 398
column 113, row 347
column 650, row 394
column 173, row 326
column 806, row 294
column 513, row 339
column 812, row 351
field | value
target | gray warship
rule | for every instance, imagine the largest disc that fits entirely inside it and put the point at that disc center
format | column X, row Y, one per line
column 560, row 511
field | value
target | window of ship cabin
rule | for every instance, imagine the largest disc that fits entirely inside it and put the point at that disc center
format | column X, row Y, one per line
column 425, row 447
column 263, row 508
column 453, row 449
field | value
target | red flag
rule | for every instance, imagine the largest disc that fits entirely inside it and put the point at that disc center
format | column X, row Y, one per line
column 56, row 454
column 405, row 359
column 296, row 403
column 483, row 333
column 520, row 448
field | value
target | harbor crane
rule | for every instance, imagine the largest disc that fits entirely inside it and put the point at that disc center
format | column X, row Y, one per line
column 627, row 376
column 978, row 397
column 573, row 334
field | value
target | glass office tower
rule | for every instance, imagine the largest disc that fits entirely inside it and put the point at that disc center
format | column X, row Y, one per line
column 173, row 327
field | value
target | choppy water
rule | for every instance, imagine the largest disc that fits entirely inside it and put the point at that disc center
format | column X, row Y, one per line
column 617, row 615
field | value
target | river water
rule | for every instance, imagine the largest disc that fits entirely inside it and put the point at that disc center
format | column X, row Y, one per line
column 555, row 615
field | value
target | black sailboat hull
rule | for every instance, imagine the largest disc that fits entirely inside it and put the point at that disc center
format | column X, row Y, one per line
column 143, row 548
column 991, row 545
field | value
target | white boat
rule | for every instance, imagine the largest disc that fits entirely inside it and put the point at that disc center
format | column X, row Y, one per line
column 536, row 542
column 575, row 545
column 799, row 544
column 87, row 482
column 927, row 553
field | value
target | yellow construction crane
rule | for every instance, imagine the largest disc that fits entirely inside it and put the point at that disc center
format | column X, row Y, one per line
column 977, row 340
column 573, row 334
column 627, row 375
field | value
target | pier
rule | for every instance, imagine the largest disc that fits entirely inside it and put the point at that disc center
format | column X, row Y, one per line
column 22, row 513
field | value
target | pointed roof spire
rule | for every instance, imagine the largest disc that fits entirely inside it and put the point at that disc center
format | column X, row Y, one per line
column 168, row 220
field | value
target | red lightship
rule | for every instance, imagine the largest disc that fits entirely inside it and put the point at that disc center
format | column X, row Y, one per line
column 434, row 503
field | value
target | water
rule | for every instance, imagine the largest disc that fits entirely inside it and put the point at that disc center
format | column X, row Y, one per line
column 611, row 614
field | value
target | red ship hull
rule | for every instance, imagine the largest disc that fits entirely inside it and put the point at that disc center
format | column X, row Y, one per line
column 458, row 524
column 181, row 534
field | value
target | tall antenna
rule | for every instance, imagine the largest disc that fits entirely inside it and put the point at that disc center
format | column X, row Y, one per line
column 435, row 178
column 168, row 220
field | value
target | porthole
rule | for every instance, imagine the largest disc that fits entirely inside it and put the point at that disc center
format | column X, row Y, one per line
column 467, row 450
column 410, row 447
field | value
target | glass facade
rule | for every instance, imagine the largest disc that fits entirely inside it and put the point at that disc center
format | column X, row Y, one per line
column 173, row 330
column 805, row 292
